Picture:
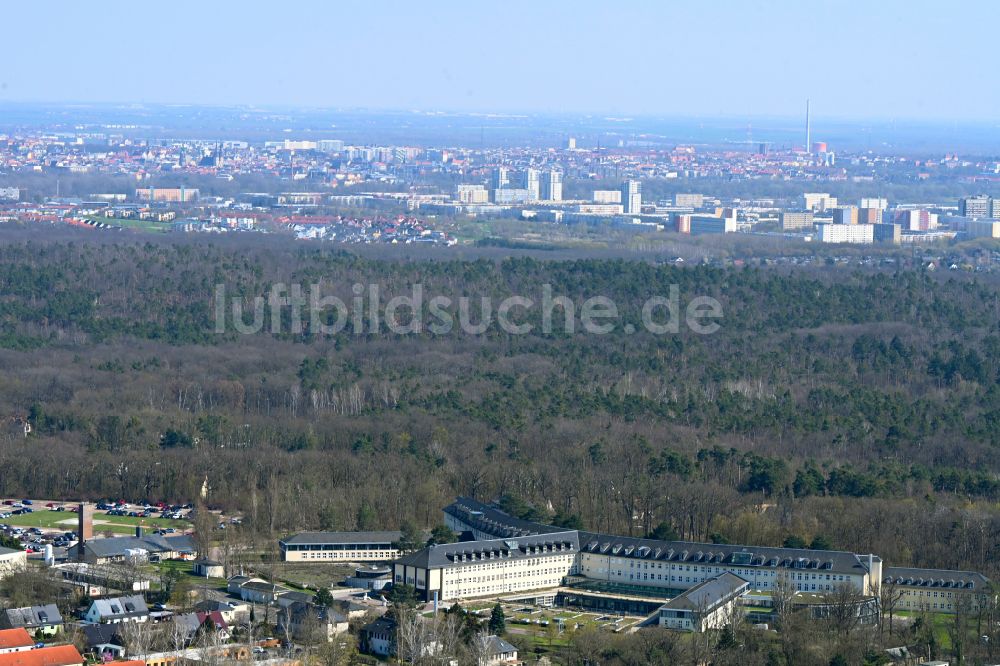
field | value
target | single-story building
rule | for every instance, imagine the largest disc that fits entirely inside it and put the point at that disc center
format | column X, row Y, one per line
column 131, row 548
column 261, row 592
column 236, row 583
column 498, row 652
column 209, row 569
column 370, row 577
column 291, row 597
column 340, row 547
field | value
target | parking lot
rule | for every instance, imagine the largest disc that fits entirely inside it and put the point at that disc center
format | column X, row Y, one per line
column 37, row 523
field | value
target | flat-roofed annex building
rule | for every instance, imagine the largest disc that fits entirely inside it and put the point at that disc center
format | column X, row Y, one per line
column 340, row 547
column 489, row 568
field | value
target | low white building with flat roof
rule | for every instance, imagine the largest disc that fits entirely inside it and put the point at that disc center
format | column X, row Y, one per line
column 340, row 547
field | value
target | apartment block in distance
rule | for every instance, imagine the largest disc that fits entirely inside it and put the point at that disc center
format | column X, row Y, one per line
column 845, row 215
column 983, row 228
column 472, row 194
column 975, row 207
column 632, row 197
column 818, row 201
column 846, row 233
column 607, row 196
column 712, row 224
column 794, row 220
column 551, row 186
column 167, row 194
column 689, row 200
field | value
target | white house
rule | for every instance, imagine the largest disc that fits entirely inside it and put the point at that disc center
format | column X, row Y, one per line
column 499, row 652
column 117, row 609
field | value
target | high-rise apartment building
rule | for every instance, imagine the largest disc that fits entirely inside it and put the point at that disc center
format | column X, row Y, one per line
column 794, row 220
column 818, row 201
column 472, row 194
column 845, row 215
column 500, row 178
column 632, row 197
column 551, row 186
column 976, row 207
column 530, row 180
column 689, row 200
column 880, row 203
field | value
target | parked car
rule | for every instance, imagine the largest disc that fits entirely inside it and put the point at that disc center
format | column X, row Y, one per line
column 27, row 502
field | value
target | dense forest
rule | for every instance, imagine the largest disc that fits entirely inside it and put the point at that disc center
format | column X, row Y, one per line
column 837, row 408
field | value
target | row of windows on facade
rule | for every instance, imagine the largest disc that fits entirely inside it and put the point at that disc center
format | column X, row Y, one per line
column 533, row 562
column 490, row 589
column 705, row 572
column 337, row 546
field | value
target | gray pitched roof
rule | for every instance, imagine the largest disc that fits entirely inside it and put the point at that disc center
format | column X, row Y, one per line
column 132, row 606
column 153, row 543
column 295, row 596
column 102, row 634
column 31, row 617
column 300, row 610
column 9, row 551
column 476, row 552
column 707, row 595
column 490, row 519
column 694, row 552
column 938, row 578
column 499, row 645
column 319, row 538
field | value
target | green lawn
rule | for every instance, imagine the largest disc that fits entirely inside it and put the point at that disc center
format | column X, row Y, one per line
column 67, row 521
column 186, row 568
column 142, row 225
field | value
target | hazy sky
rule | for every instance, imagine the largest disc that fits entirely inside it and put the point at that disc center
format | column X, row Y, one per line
column 875, row 58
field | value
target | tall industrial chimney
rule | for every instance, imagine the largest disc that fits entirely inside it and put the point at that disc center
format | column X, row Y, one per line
column 85, row 525
column 84, row 529
column 808, row 130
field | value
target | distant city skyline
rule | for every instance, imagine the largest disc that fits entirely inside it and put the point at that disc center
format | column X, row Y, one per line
column 888, row 60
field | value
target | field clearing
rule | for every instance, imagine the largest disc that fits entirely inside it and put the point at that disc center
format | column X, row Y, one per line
column 127, row 223
column 186, row 569
column 314, row 576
